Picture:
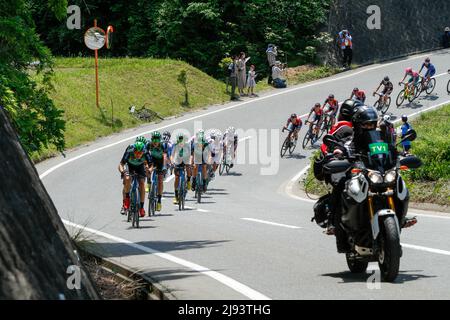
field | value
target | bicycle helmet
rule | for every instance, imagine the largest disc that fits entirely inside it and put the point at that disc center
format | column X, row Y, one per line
column 156, row 136
column 408, row 70
column 294, row 115
column 141, row 139
column 200, row 134
column 404, row 118
column 427, row 59
column 213, row 134
column 180, row 137
column 317, row 105
column 231, row 129
column 166, row 136
column 331, row 96
column 386, row 79
column 347, row 109
column 356, row 89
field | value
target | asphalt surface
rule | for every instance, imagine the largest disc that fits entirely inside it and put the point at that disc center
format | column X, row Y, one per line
column 226, row 247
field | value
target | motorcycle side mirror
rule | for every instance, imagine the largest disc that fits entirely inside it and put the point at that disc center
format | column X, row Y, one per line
column 412, row 162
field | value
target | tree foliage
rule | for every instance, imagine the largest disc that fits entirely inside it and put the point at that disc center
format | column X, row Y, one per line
column 199, row 32
column 35, row 117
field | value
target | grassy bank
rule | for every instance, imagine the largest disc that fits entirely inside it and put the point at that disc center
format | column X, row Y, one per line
column 431, row 182
column 125, row 82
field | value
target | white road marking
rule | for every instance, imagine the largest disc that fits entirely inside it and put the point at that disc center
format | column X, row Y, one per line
column 227, row 281
column 282, row 92
column 203, row 210
column 429, row 215
column 197, row 209
column 272, row 223
column 438, row 251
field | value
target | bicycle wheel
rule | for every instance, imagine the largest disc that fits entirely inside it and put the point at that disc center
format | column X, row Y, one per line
column 284, row 147
column 431, row 85
column 227, row 168
column 386, row 106
column 417, row 92
column 293, row 146
column 199, row 188
column 151, row 201
column 221, row 167
column 400, row 98
column 377, row 105
column 180, row 196
column 306, row 140
column 448, row 87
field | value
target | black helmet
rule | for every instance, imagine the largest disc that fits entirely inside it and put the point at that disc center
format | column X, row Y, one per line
column 365, row 115
column 317, row 105
column 331, row 96
column 386, row 79
column 427, row 59
column 404, row 118
column 294, row 115
column 166, row 136
column 356, row 89
column 348, row 109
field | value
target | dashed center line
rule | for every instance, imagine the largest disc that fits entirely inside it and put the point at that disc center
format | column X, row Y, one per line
column 272, row 223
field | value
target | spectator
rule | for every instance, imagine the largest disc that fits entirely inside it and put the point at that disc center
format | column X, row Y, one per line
column 242, row 74
column 446, row 38
column 277, row 75
column 251, row 82
column 271, row 59
column 346, row 45
column 233, row 77
column 404, row 130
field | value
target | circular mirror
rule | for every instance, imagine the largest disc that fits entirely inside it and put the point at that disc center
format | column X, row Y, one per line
column 95, row 38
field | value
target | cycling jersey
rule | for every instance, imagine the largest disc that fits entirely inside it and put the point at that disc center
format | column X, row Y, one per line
column 360, row 95
column 388, row 87
column 317, row 111
column 198, row 150
column 333, row 106
column 129, row 158
column 157, row 154
column 431, row 70
column 297, row 122
column 169, row 147
column 181, row 153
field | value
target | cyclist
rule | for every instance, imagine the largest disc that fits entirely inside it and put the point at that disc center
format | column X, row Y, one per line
column 317, row 111
column 158, row 156
column 168, row 145
column 215, row 143
column 387, row 90
column 359, row 95
column 431, row 69
column 180, row 158
column 414, row 77
column 330, row 108
column 293, row 125
column 137, row 159
column 199, row 156
column 230, row 139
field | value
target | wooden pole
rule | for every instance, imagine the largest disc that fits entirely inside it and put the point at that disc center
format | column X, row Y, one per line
column 97, row 85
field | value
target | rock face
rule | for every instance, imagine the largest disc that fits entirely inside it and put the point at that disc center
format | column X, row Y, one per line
column 406, row 27
column 35, row 248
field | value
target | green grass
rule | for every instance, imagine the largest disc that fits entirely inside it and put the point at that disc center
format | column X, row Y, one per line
column 431, row 182
column 134, row 81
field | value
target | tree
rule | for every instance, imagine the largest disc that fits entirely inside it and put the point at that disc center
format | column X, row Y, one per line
column 37, row 120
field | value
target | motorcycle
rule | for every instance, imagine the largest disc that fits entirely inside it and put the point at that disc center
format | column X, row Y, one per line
column 374, row 202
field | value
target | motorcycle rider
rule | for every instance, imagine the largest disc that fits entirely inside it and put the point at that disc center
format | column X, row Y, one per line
column 342, row 131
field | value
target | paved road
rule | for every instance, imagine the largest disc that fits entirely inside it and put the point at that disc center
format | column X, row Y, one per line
column 249, row 239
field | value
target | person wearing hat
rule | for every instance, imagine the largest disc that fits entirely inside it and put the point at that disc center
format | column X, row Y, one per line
column 446, row 38
column 271, row 53
column 277, row 75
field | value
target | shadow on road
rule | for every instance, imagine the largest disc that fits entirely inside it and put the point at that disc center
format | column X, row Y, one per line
column 403, row 276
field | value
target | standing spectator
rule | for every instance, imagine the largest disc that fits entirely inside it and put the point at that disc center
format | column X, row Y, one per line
column 346, row 45
column 233, row 77
column 242, row 73
column 251, row 82
column 446, row 38
column 271, row 59
column 277, row 75
column 404, row 130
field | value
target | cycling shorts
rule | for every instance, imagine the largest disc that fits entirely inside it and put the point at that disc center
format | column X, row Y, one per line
column 139, row 170
column 386, row 91
column 414, row 79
